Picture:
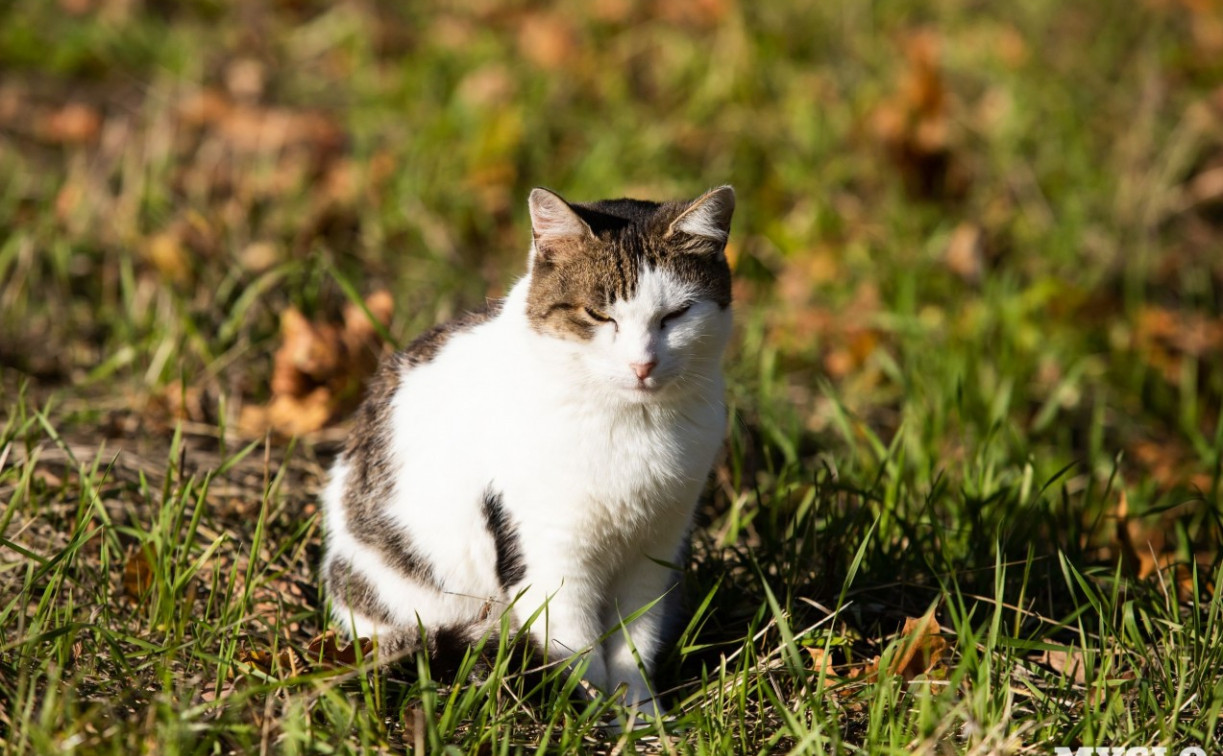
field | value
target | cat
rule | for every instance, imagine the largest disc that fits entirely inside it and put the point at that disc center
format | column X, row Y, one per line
column 547, row 451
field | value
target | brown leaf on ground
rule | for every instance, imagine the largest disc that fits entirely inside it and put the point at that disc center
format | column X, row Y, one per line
column 137, row 574
column 1070, row 663
column 548, row 40
column 916, row 128
column 1186, row 587
column 694, row 13
column 326, row 651
column 845, row 336
column 857, row 345
column 1139, row 543
column 214, row 692
column 866, row 672
column 920, row 652
column 259, row 256
column 820, row 660
column 1165, row 338
column 285, row 663
column 76, row 7
column 252, row 129
column 1204, row 20
column 166, row 253
column 73, row 123
column 490, row 86
column 965, row 254
column 1147, row 547
column 320, row 369
column 1170, row 463
column 922, row 648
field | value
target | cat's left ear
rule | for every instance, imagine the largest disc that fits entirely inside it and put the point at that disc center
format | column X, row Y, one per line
column 552, row 219
column 708, row 217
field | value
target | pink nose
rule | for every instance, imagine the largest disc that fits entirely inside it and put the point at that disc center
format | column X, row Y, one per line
column 643, row 369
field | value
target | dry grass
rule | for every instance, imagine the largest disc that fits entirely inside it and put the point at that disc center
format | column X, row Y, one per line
column 979, row 364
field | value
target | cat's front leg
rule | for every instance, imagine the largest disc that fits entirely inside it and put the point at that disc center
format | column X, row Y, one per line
column 633, row 646
column 567, row 625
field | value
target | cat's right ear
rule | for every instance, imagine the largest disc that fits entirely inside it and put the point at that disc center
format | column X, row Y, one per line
column 554, row 224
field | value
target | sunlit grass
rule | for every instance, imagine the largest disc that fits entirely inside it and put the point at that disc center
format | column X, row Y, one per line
column 977, row 366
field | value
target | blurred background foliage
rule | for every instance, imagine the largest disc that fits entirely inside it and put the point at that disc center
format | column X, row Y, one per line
column 962, row 226
column 978, row 262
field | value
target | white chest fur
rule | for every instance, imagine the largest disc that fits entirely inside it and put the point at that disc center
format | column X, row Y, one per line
column 578, row 470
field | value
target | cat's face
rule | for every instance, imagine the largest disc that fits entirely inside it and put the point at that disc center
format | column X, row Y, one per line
column 637, row 294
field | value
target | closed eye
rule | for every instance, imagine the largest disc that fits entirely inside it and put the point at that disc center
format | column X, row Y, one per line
column 674, row 315
column 598, row 316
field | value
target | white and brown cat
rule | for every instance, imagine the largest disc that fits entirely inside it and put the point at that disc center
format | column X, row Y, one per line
column 548, row 451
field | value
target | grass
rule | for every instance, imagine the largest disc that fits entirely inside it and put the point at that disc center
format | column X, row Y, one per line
column 977, row 371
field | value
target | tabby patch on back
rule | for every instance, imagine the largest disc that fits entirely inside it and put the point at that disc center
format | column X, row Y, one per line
column 549, row 450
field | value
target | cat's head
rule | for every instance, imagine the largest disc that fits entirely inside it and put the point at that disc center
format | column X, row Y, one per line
column 636, row 294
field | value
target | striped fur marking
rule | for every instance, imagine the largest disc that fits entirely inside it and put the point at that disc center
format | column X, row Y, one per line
column 350, row 590
column 510, row 566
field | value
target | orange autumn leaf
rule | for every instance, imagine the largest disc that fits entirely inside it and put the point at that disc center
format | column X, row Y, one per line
column 320, row 369
column 916, row 125
column 326, row 651
column 866, row 672
column 137, row 574
column 1138, row 543
column 165, row 251
column 286, row 663
column 1147, row 547
column 821, row 661
column 1165, row 338
column 921, row 650
column 548, row 40
column 73, row 123
column 965, row 255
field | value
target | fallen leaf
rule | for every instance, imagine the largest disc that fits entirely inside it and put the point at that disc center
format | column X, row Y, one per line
column 1164, row 338
column 612, row 11
column 915, row 125
column 284, row 663
column 548, row 40
column 258, row 256
column 921, row 650
column 212, row 692
column 204, row 107
column 866, row 672
column 69, row 199
column 489, row 86
column 326, row 651
column 247, row 128
column 966, row 252
column 166, row 253
column 1147, row 547
column 137, row 574
column 73, row 123
column 694, row 13
column 1012, row 49
column 1139, row 545
column 76, row 7
column 1070, row 663
column 245, row 78
column 320, row 369
column 821, row 661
